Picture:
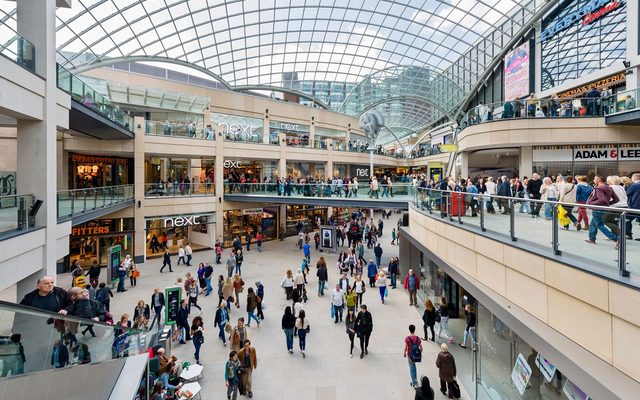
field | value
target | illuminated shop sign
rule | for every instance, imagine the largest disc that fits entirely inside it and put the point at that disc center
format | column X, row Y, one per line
column 586, row 14
column 186, row 220
column 232, row 164
column 600, row 84
column 249, row 130
column 607, row 153
column 289, row 127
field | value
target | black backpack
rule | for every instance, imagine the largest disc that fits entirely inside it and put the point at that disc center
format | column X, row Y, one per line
column 415, row 354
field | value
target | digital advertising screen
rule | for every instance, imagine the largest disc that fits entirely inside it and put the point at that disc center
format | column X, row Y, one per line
column 516, row 73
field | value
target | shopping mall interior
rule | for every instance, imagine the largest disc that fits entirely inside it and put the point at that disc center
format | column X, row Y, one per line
column 477, row 163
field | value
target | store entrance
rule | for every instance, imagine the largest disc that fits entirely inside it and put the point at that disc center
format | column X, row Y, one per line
column 494, row 163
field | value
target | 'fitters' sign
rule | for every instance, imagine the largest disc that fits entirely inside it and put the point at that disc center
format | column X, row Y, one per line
column 187, row 220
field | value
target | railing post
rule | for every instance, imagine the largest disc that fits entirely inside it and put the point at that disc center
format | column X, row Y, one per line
column 57, row 205
column 460, row 209
column 481, row 204
column 512, row 221
column 449, row 208
column 622, row 247
column 555, row 229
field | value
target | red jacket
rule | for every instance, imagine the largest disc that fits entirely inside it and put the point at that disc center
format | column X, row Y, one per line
column 406, row 281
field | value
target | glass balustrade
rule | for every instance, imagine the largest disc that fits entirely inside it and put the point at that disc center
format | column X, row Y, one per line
column 400, row 192
column 14, row 213
column 547, row 225
column 32, row 340
column 178, row 129
column 19, row 50
column 178, row 189
column 78, row 201
column 84, row 94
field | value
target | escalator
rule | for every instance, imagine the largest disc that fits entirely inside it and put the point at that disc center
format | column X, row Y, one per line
column 46, row 355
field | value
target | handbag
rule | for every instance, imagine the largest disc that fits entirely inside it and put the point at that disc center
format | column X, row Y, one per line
column 333, row 312
column 455, row 390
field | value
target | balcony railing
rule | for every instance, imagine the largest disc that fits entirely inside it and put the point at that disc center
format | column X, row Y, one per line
column 84, row 94
column 179, row 189
column 34, row 340
column 395, row 191
column 79, row 201
column 19, row 50
column 545, row 225
column 14, row 213
column 178, row 129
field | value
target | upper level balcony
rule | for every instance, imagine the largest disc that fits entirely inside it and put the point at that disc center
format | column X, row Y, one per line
column 82, row 205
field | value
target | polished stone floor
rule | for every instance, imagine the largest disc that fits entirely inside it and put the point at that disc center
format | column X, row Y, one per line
column 327, row 372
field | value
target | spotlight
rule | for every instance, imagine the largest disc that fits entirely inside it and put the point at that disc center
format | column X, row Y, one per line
column 627, row 64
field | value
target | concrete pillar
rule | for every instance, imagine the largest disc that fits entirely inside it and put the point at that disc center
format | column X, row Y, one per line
column 525, row 167
column 312, row 133
column 538, row 59
column 266, row 131
column 219, row 187
column 328, row 168
column 464, row 165
column 36, row 140
column 282, row 163
column 140, row 241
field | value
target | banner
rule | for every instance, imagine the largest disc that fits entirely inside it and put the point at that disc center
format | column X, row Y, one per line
column 547, row 369
column 521, row 374
column 516, row 73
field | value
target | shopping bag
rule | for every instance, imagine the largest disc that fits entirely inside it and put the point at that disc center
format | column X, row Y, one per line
column 386, row 292
column 333, row 312
column 563, row 217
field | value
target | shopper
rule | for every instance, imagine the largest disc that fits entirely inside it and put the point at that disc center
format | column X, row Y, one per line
column 372, row 272
column 248, row 240
column 238, row 335
column 446, row 370
column 188, row 252
column 122, row 275
column 322, row 275
column 360, row 288
column 350, row 325
column 470, row 328
column 133, row 273
column 287, row 284
column 259, row 238
column 182, row 320
column 288, row 326
column 231, row 264
column 425, row 391
column 429, row 319
column 239, row 260
column 351, row 298
column 393, row 270
column 181, row 255
column 142, row 313
column 603, row 195
column 633, row 199
column 337, row 302
column 218, row 250
column 377, row 251
column 413, row 353
column 220, row 321
column 302, row 326
column 248, row 362
column 197, row 336
column 193, row 296
column 299, row 280
column 238, row 287
column 252, row 304
column 166, row 261
column 207, row 274
column 443, row 310
column 231, row 376
column 412, row 284
column 382, row 286
column 364, row 327
column 227, row 293
column 48, row 297
column 157, row 302
column 260, row 298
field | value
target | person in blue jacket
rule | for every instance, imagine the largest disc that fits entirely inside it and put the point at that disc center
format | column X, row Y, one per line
column 633, row 200
column 372, row 270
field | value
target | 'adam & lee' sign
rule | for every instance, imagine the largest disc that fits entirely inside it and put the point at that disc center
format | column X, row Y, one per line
column 607, row 154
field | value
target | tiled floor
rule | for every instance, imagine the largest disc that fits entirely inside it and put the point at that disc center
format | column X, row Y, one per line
column 327, row 372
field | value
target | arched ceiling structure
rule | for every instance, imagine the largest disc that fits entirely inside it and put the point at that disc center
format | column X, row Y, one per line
column 304, row 45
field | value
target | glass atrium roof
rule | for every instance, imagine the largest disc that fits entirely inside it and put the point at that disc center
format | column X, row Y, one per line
column 285, row 43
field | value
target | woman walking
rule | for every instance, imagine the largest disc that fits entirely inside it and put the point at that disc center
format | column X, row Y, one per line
column 252, row 304
column 287, row 283
column 197, row 337
column 322, row 275
column 350, row 324
column 193, row 296
column 351, row 299
column 201, row 282
column 359, row 288
column 429, row 319
column 227, row 293
column 288, row 324
column 382, row 285
column 238, row 287
column 470, row 329
column 302, row 325
column 134, row 273
column 446, row 370
column 443, row 310
column 259, row 238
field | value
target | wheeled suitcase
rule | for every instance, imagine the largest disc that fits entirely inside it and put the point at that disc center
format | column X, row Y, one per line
column 457, row 205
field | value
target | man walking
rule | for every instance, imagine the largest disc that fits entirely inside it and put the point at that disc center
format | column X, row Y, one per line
column 122, row 275
column 188, row 251
column 412, row 283
column 182, row 320
column 377, row 251
column 220, row 321
column 533, row 188
column 207, row 274
column 364, row 327
column 231, row 375
column 413, row 350
column 307, row 251
column 248, row 362
column 157, row 302
column 633, row 200
column 602, row 195
column 337, row 302
column 231, row 264
column 166, row 260
column 248, row 239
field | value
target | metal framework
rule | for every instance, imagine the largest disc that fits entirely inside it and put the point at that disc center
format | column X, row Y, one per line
column 435, row 49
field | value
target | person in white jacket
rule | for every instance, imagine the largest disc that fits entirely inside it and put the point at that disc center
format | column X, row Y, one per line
column 337, row 302
column 611, row 218
column 181, row 255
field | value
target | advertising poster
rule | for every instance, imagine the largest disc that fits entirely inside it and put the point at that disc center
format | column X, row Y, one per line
column 547, row 369
column 573, row 392
column 516, row 73
column 113, row 263
column 172, row 300
column 327, row 237
column 521, row 374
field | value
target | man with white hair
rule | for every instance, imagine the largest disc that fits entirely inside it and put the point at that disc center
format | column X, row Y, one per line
column 46, row 296
column 412, row 284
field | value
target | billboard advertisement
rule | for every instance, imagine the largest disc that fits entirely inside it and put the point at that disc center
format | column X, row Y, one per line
column 516, row 73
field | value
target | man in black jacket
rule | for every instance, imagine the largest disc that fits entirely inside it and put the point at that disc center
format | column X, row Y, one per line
column 504, row 190
column 157, row 302
column 182, row 320
column 533, row 188
column 47, row 296
column 364, row 327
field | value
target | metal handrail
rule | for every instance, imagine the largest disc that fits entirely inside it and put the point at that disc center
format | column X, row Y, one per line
column 96, row 188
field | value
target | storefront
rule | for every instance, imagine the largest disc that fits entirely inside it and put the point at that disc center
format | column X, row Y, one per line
column 296, row 134
column 308, row 215
column 238, row 128
column 251, row 170
column 341, row 170
column 177, row 230
column 238, row 222
column 90, row 241
column 337, row 137
column 86, row 171
column 178, row 176
column 301, row 169
column 621, row 160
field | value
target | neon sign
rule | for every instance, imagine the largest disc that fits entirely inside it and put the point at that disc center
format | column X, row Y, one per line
column 588, row 13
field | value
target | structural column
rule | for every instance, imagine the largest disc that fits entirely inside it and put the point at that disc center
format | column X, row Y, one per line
column 36, row 140
column 140, row 241
column 525, row 168
column 219, row 188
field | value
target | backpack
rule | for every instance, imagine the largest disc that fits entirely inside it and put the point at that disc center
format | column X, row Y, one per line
column 101, row 296
column 415, row 354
